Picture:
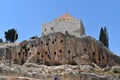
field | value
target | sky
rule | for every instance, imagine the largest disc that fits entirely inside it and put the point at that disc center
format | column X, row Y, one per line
column 27, row 17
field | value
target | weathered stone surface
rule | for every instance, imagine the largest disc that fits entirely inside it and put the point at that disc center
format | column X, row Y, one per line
column 32, row 71
column 57, row 49
column 66, row 25
column 80, row 57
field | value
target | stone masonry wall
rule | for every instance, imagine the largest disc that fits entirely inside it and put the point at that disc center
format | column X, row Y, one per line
column 73, row 27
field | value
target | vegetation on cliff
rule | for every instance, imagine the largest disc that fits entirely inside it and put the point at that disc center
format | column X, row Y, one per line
column 11, row 35
column 104, row 36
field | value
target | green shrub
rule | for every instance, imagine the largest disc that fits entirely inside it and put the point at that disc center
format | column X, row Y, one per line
column 116, row 71
column 1, row 40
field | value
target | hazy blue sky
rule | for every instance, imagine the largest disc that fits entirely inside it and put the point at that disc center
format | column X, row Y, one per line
column 27, row 16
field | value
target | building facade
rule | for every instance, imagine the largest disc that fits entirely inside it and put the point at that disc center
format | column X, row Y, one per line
column 65, row 24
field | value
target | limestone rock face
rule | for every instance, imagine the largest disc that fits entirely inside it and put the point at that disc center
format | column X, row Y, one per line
column 32, row 71
column 8, row 52
column 57, row 48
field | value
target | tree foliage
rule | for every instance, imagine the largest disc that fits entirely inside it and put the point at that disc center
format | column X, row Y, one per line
column 11, row 35
column 34, row 37
column 104, row 36
column 1, row 40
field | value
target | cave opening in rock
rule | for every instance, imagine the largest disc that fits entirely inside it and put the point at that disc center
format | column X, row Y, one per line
column 29, row 53
column 54, row 53
column 38, row 60
column 49, row 39
column 61, row 41
column 48, row 56
column 38, row 53
column 46, row 44
column 66, row 32
column 41, row 56
column 69, row 51
column 46, row 52
column 99, row 58
column 19, row 53
column 41, row 42
column 35, row 45
column 55, row 40
column 28, row 49
column 22, row 61
column 15, row 61
column 52, row 42
column 32, row 45
column 45, row 29
column 85, row 49
column 60, row 51
column 93, row 53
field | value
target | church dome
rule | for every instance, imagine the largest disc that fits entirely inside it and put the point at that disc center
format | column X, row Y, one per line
column 66, row 16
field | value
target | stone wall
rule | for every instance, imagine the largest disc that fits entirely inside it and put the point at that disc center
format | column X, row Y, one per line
column 73, row 27
column 58, row 48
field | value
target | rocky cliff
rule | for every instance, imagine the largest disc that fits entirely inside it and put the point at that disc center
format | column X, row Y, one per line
column 32, row 71
column 60, row 49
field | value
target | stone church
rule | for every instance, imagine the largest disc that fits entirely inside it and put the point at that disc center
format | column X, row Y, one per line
column 63, row 42
column 65, row 24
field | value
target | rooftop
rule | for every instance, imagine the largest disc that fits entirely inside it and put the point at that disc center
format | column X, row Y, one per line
column 66, row 16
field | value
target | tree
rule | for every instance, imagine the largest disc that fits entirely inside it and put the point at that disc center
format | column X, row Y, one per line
column 34, row 37
column 1, row 40
column 11, row 35
column 104, row 36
